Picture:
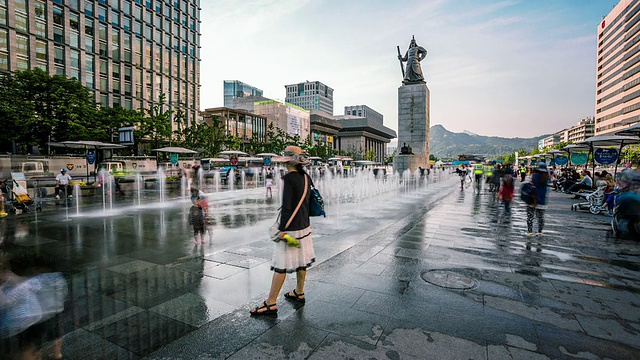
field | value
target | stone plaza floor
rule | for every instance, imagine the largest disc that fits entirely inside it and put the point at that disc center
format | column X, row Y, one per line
column 139, row 288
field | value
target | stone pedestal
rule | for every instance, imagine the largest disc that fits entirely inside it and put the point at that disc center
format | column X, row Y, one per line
column 413, row 127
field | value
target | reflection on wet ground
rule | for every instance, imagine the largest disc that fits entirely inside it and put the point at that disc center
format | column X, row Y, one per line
column 140, row 288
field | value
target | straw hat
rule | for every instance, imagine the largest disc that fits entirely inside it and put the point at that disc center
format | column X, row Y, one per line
column 293, row 156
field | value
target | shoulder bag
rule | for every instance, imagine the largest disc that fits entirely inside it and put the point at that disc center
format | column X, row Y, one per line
column 316, row 205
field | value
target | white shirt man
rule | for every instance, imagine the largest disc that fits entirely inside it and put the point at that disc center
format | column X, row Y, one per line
column 62, row 181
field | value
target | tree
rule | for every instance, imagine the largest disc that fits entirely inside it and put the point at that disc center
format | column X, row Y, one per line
column 43, row 107
column 109, row 120
column 156, row 125
column 370, row 155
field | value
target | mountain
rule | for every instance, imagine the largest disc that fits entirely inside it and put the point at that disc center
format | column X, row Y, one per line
column 447, row 144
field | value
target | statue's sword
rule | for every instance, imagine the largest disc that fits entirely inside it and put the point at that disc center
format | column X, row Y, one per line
column 400, row 59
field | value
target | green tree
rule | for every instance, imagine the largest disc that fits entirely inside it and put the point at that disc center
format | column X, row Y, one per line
column 370, row 155
column 156, row 125
column 109, row 120
column 48, row 107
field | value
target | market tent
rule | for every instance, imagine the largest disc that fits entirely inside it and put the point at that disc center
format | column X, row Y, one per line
column 233, row 152
column 175, row 150
column 630, row 131
column 610, row 140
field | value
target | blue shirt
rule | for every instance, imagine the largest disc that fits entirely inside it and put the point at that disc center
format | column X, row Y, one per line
column 541, row 189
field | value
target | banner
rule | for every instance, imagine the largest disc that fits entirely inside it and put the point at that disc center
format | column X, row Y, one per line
column 579, row 158
column 561, row 160
column 605, row 156
column 293, row 125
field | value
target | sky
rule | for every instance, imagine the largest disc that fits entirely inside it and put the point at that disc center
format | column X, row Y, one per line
column 500, row 68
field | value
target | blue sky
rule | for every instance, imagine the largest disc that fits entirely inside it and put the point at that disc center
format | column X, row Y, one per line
column 506, row 68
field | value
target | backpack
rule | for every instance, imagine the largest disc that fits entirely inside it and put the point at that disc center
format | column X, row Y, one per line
column 528, row 193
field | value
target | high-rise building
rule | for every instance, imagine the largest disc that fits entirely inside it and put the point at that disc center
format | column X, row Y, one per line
column 237, row 89
column 128, row 51
column 581, row 131
column 618, row 69
column 365, row 112
column 311, row 95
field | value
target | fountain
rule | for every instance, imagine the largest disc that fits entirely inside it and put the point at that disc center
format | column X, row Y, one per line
column 76, row 190
column 161, row 184
column 242, row 179
column 139, row 183
column 184, row 186
column 216, row 179
column 200, row 177
column 231, row 179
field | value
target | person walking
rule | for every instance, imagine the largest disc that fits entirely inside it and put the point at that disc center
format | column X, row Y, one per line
column 269, row 183
column 294, row 225
column 506, row 193
column 539, row 179
column 197, row 220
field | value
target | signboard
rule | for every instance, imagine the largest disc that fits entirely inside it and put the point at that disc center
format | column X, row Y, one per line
column 70, row 167
column 267, row 161
column 91, row 157
column 562, row 160
column 125, row 135
column 174, row 159
column 579, row 158
column 605, row 156
column 234, row 160
column 293, row 124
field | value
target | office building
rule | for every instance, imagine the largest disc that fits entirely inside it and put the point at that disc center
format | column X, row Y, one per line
column 242, row 124
column 292, row 119
column 324, row 129
column 359, row 136
column 365, row 112
column 311, row 95
column 237, row 89
column 618, row 69
column 581, row 131
column 129, row 52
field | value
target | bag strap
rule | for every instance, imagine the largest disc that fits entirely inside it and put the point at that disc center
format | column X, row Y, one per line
column 304, row 196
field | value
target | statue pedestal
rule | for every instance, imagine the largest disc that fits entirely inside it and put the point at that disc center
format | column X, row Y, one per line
column 413, row 127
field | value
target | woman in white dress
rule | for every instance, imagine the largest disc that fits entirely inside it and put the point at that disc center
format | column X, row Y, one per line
column 294, row 221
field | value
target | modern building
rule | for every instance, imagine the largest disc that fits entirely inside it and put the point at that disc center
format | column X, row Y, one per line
column 292, row 119
column 311, row 95
column 324, row 129
column 359, row 135
column 618, row 69
column 583, row 130
column 237, row 89
column 365, row 112
column 128, row 51
column 240, row 123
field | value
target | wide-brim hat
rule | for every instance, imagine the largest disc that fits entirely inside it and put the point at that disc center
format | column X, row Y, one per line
column 293, row 155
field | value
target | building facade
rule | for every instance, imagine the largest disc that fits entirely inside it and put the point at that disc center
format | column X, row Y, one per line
column 583, row 130
column 618, row 69
column 359, row 135
column 243, row 124
column 292, row 119
column 128, row 52
column 324, row 129
column 365, row 112
column 237, row 89
column 310, row 95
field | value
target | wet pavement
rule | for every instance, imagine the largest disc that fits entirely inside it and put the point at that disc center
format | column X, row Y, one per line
column 411, row 274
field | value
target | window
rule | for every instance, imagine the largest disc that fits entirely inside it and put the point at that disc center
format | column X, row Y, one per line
column 3, row 21
column 115, row 18
column 127, row 88
column 104, row 69
column 158, row 36
column 137, row 27
column 88, row 43
column 127, row 73
column 88, row 7
column 104, row 99
column 147, row 55
column 149, row 4
column 102, row 13
column 138, row 12
column 73, row 4
column 115, row 45
column 40, row 9
column 102, row 48
column 59, row 55
column 89, row 64
column 126, row 23
column 115, row 71
column 158, row 21
column 58, row 35
column 58, row 15
column 115, row 4
column 157, row 57
column 74, row 38
column 158, row 7
column 75, row 59
column 167, row 11
column 21, row 22
column 88, row 26
column 176, row 16
column 102, row 32
column 22, row 45
column 127, row 7
column 137, row 58
column 21, row 6
column 148, row 17
column 88, row 78
column 148, row 33
column 74, row 21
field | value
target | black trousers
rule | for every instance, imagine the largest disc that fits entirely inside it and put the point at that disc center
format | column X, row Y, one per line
column 68, row 189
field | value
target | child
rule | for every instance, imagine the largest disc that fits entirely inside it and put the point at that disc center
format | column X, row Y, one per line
column 269, row 183
column 506, row 193
column 196, row 216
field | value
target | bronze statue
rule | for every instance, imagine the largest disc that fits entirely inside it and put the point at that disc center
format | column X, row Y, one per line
column 413, row 56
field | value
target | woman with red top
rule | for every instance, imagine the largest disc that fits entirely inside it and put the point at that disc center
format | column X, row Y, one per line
column 506, row 192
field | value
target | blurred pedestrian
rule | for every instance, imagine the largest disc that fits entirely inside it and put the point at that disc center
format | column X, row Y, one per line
column 197, row 219
column 539, row 179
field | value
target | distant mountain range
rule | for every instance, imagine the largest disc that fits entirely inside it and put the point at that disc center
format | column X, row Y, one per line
column 447, row 144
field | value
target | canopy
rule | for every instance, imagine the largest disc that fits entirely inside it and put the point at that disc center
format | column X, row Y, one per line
column 233, row 152
column 610, row 140
column 630, row 131
column 175, row 150
column 250, row 159
column 267, row 154
column 215, row 160
column 556, row 151
column 85, row 145
column 315, row 158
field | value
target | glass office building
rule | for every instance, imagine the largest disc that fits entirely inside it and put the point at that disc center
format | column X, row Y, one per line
column 128, row 51
column 310, row 95
column 237, row 89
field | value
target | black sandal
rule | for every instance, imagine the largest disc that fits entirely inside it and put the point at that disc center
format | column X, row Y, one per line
column 293, row 295
column 264, row 305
